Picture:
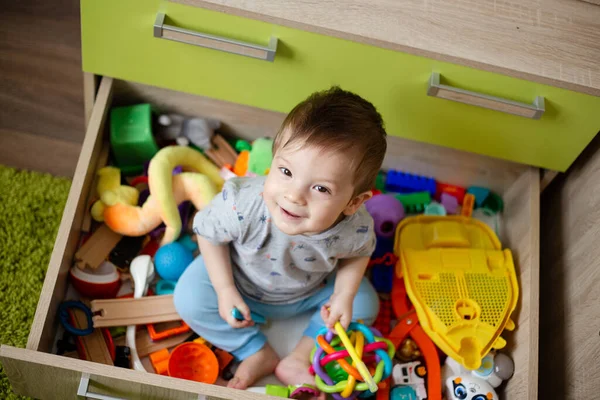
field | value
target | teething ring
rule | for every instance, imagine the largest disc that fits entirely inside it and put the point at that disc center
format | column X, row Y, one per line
column 343, row 363
column 358, row 341
column 325, row 352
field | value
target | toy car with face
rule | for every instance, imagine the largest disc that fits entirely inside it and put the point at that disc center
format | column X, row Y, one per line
column 468, row 388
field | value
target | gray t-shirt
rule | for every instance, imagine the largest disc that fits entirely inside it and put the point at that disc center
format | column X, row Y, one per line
column 268, row 265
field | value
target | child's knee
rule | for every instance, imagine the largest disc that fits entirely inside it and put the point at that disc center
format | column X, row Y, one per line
column 185, row 302
column 194, row 298
column 366, row 303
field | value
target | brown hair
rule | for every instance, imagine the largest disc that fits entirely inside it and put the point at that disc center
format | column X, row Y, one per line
column 340, row 121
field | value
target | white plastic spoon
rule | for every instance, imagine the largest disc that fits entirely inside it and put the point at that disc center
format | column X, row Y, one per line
column 142, row 272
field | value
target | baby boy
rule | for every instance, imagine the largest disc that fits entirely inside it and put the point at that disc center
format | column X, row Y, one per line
column 296, row 240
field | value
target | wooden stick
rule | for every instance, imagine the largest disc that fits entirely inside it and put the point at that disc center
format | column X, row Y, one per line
column 94, row 345
column 97, row 248
column 124, row 312
column 222, row 153
column 225, row 147
column 216, row 158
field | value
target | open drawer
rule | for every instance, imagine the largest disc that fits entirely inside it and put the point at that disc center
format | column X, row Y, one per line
column 38, row 373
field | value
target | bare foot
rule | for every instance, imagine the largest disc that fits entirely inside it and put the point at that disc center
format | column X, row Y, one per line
column 293, row 369
column 258, row 365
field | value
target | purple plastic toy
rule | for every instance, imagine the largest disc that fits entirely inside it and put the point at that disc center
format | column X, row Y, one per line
column 386, row 211
column 450, row 203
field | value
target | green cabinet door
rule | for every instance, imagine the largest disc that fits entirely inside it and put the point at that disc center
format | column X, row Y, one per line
column 118, row 41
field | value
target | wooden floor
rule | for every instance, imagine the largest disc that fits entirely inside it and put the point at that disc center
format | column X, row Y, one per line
column 42, row 127
column 41, row 85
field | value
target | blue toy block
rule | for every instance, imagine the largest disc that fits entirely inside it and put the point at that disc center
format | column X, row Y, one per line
column 480, row 194
column 382, row 277
column 403, row 182
column 382, row 247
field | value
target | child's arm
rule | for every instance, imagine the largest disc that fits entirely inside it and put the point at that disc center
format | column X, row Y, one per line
column 339, row 308
column 218, row 265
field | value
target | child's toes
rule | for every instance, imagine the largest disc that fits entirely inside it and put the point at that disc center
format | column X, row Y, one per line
column 237, row 383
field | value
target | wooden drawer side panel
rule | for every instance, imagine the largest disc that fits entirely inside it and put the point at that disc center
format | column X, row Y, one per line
column 54, row 288
column 521, row 223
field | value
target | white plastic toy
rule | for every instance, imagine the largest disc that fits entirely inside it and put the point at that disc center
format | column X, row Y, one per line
column 411, row 374
column 142, row 272
column 468, row 387
column 460, row 383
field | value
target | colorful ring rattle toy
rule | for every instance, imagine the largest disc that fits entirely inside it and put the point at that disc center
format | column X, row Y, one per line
column 367, row 369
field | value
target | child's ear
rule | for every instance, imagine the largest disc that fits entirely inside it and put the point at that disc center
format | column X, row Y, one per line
column 356, row 202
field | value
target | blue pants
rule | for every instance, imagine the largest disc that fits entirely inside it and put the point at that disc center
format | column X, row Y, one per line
column 196, row 302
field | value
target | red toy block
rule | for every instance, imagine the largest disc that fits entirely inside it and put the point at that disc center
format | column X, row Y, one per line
column 453, row 190
column 383, row 323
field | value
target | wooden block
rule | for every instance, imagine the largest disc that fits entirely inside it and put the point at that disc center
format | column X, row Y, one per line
column 145, row 345
column 97, row 248
column 225, row 147
column 221, row 153
column 129, row 311
column 93, row 345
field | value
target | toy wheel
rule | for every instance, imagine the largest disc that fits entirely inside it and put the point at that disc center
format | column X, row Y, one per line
column 421, row 371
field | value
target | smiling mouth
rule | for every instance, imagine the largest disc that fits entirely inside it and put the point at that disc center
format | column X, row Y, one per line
column 289, row 214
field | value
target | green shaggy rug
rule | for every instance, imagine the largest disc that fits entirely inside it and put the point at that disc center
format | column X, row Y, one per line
column 31, row 206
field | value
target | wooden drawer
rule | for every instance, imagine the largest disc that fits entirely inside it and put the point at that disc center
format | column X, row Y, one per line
column 118, row 41
column 36, row 372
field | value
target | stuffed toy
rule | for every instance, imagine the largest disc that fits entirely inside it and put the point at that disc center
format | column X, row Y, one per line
column 197, row 131
column 254, row 159
column 120, row 213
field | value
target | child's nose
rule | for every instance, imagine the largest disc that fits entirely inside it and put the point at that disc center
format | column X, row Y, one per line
column 295, row 196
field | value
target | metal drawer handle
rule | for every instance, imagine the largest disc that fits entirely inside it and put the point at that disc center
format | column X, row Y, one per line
column 82, row 391
column 533, row 111
column 84, row 383
column 162, row 30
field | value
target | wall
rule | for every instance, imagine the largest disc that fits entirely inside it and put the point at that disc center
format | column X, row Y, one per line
column 41, row 85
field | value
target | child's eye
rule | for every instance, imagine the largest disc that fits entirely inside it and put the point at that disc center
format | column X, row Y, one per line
column 322, row 189
column 285, row 171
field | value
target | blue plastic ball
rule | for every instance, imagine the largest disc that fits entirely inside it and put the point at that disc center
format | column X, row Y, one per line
column 171, row 260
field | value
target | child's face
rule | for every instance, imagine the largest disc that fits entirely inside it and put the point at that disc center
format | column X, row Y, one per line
column 308, row 190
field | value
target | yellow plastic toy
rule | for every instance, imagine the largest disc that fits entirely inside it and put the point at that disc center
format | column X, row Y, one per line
column 463, row 286
column 111, row 192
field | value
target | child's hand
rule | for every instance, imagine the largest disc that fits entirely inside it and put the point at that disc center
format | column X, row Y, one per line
column 339, row 308
column 228, row 299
